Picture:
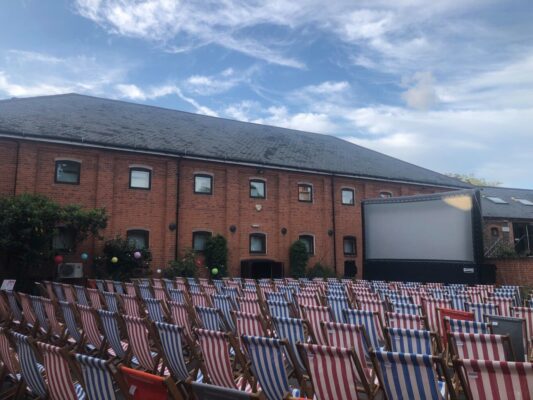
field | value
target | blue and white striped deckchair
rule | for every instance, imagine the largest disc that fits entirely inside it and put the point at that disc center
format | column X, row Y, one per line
column 118, row 287
column 191, row 281
column 438, row 294
column 172, row 351
column 458, row 325
column 177, row 295
column 97, row 379
column 111, row 302
column 210, row 318
column 145, row 292
column 370, row 320
column 81, row 295
column 482, row 309
column 14, row 307
column 338, row 304
column 219, row 284
column 399, row 298
column 225, row 304
column 32, row 371
column 406, row 308
column 111, row 330
column 287, row 291
column 279, row 308
column 410, row 341
column 232, row 292
column 458, row 301
column 195, row 288
column 155, row 310
column 276, row 296
column 410, row 376
column 169, row 284
column 70, row 321
column 58, row 291
column 40, row 313
column 100, row 285
column 268, row 367
column 291, row 329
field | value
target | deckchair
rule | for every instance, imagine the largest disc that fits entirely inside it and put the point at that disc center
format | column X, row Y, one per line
column 480, row 346
column 412, row 341
column 71, row 321
column 98, row 377
column 89, row 321
column 156, row 310
column 337, row 304
column 516, row 329
column 443, row 313
column 111, row 301
column 111, row 329
column 293, row 330
column 139, row 334
column 177, row 295
column 32, row 371
column 81, row 295
column 480, row 310
column 314, row 315
column 279, row 309
column 131, row 305
column 372, row 323
column 430, row 307
column 250, row 306
column 211, row 318
column 526, row 313
column 143, row 386
column 226, row 305
column 458, row 325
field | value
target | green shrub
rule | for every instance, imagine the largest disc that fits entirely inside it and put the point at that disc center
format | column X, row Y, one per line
column 320, row 271
column 184, row 267
column 504, row 249
column 216, row 254
column 298, row 259
column 127, row 266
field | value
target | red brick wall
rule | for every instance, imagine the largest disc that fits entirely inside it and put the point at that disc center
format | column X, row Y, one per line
column 104, row 182
column 514, row 271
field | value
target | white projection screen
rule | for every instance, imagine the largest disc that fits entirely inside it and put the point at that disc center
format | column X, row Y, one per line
column 432, row 228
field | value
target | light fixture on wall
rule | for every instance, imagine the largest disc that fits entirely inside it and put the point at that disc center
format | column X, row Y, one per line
column 233, row 228
column 172, row 226
column 283, row 231
column 330, row 232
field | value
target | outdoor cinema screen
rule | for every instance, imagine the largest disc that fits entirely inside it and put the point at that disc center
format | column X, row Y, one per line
column 431, row 228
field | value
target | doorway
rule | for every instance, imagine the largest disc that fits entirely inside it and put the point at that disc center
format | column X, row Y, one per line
column 260, row 269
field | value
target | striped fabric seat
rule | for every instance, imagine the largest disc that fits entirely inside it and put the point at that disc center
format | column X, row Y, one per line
column 292, row 330
column 110, row 326
column 60, row 383
column 170, row 339
column 406, row 308
column 130, row 289
column 504, row 305
column 131, row 305
column 14, row 307
column 81, row 295
column 498, row 380
column 459, row 301
column 156, row 313
column 95, row 297
column 219, row 284
column 480, row 346
column 118, row 287
column 373, row 305
column 145, row 291
column 29, row 314
column 447, row 313
column 482, row 309
column 410, row 341
column 250, row 294
column 168, row 284
column 195, row 288
column 210, row 318
column 314, row 315
column 71, row 322
column 98, row 382
column 332, row 370
column 89, row 323
column 8, row 356
column 288, row 292
column 139, row 341
column 405, row 321
column 232, row 292
column 160, row 293
column 111, row 302
column 337, row 304
column 525, row 313
column 248, row 324
column 226, row 305
column 430, row 311
column 410, row 376
column 180, row 316
column 370, row 320
column 279, row 309
column 109, row 286
column 457, row 325
column 32, row 371
column 304, row 299
column 4, row 309
column 100, row 286
column 199, row 300
column 70, row 295
column 276, row 296
column 177, row 295
column 250, row 306
column 40, row 313
column 58, row 291
column 55, row 327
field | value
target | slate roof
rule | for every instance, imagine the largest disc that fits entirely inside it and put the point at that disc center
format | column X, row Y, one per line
column 513, row 209
column 78, row 118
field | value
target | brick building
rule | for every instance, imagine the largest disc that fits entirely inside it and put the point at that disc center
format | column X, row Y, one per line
column 168, row 179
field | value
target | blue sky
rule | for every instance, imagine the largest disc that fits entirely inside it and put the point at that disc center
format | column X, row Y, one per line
column 447, row 85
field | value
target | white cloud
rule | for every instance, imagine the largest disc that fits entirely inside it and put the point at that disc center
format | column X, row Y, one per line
column 421, row 95
column 218, row 83
column 311, row 122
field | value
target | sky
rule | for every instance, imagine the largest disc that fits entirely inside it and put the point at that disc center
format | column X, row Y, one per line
column 447, row 85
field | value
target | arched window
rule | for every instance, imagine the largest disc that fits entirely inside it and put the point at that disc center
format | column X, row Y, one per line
column 309, row 241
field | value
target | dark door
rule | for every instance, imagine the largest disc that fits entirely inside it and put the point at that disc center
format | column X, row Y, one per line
column 259, row 269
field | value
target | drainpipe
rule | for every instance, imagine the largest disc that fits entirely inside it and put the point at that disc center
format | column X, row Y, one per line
column 333, row 227
column 177, row 208
column 16, row 169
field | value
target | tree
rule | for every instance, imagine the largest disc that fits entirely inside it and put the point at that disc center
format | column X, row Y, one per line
column 216, row 254
column 126, row 266
column 299, row 257
column 28, row 224
column 473, row 180
column 184, row 267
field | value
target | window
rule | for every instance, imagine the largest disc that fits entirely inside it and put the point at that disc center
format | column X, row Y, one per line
column 349, row 246
column 348, row 197
column 257, row 189
column 385, row 195
column 140, row 178
column 305, row 193
column 203, row 184
column 67, row 172
column 138, row 238
column 199, row 239
column 496, row 200
column 63, row 239
column 525, row 202
column 494, row 232
column 309, row 241
column 258, row 243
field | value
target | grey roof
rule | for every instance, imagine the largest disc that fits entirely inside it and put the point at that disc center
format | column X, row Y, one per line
column 76, row 118
column 513, row 209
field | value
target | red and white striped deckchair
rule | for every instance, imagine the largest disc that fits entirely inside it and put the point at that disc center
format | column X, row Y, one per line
column 95, row 297
column 181, row 316
column 249, row 324
column 373, row 305
column 332, row 370
column 405, row 321
column 4, row 308
column 209, row 290
column 157, row 282
column 131, row 305
column 130, row 288
column 527, row 314
column 495, row 380
column 56, row 328
column 90, row 325
column 10, row 364
column 29, row 314
column 70, row 294
column 216, row 359
column 480, row 346
column 430, row 306
column 200, row 300
column 160, row 293
column 110, row 287
column 305, row 299
column 504, row 305
column 250, row 294
column 139, row 334
column 451, row 313
column 250, row 306
column 314, row 315
column 60, row 383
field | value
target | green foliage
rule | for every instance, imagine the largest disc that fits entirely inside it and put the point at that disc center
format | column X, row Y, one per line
column 216, row 254
column 28, row 224
column 504, row 249
column 473, row 180
column 320, row 271
column 298, row 259
column 127, row 266
column 185, row 267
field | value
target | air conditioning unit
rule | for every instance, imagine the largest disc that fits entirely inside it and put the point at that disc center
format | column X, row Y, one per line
column 70, row 270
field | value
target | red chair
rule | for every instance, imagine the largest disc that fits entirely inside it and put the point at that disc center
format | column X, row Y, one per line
column 142, row 386
column 444, row 329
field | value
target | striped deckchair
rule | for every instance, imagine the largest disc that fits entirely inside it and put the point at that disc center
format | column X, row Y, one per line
column 199, row 300
column 232, row 292
column 111, row 329
column 267, row 357
column 71, row 321
column 81, row 295
column 195, row 288
column 526, row 313
column 430, row 311
column 160, row 293
column 458, row 325
column 16, row 312
column 56, row 328
column 177, row 295
column 373, row 305
column 32, row 371
column 372, row 323
column 97, row 378
column 250, row 306
column 145, row 291
column 30, row 318
column 332, row 370
column 504, row 305
column 219, row 284
column 405, row 321
column 411, row 341
column 444, row 313
column 156, row 310
column 4, row 309
column 139, row 334
column 100, row 285
column 279, row 309
column 10, row 369
column 168, row 284
column 276, row 296
column 498, row 380
column 70, row 294
column 288, row 292
column 131, row 305
column 130, row 289
column 89, row 322
column 406, row 308
column 304, row 299
column 109, row 286
column 40, row 313
column 211, row 318
column 480, row 346
column 119, row 289
column 95, row 297
column 111, row 301
column 482, row 309
column 59, row 379
column 180, row 316
column 314, row 315
column 217, row 363
column 58, row 291
column 411, row 376
column 337, row 304
column 226, row 305
column 293, row 330
column 459, row 300
column 141, row 385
